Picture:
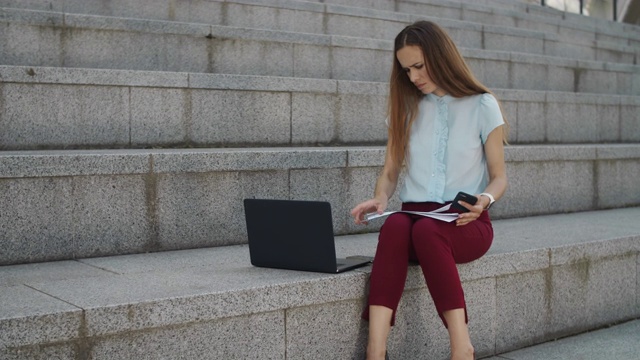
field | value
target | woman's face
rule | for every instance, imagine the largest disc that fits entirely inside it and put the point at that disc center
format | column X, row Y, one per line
column 412, row 61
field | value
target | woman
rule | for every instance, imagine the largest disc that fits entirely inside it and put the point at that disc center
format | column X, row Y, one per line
column 447, row 127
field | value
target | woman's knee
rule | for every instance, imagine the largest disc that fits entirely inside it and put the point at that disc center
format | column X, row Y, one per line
column 396, row 232
column 397, row 224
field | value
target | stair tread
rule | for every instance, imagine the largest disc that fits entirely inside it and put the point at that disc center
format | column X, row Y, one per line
column 172, row 277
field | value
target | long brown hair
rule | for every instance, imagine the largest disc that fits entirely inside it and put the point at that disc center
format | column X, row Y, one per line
column 445, row 66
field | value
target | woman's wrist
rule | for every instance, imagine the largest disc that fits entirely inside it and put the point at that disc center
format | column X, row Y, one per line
column 486, row 200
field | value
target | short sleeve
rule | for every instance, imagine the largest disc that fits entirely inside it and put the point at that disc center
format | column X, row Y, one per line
column 490, row 116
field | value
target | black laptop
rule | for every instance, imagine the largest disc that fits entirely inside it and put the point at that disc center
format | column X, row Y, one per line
column 295, row 235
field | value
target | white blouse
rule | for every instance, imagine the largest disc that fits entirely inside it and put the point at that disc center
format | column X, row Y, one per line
column 446, row 152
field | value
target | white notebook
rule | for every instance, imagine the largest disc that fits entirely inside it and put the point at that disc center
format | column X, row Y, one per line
column 438, row 214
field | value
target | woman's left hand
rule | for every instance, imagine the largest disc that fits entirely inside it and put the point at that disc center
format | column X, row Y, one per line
column 474, row 212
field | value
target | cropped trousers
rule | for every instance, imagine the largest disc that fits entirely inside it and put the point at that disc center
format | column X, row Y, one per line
column 437, row 246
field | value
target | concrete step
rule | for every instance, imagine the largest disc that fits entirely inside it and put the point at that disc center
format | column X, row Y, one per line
column 544, row 277
column 617, row 342
column 291, row 14
column 72, row 40
column 510, row 13
column 308, row 17
column 85, row 203
column 135, row 109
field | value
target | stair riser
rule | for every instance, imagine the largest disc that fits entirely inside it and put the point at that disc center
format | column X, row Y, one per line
column 64, row 206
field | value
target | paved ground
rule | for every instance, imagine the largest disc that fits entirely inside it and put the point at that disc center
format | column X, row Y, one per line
column 620, row 342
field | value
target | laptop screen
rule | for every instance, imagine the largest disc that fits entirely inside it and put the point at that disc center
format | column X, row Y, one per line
column 290, row 234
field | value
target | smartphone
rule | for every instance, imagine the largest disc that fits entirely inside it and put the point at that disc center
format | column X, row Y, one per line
column 470, row 199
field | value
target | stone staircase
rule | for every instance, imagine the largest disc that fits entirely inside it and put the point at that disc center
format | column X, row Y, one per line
column 131, row 131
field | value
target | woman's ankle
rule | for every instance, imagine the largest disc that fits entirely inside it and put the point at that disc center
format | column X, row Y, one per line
column 462, row 352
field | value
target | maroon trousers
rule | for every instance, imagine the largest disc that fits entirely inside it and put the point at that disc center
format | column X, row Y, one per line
column 436, row 245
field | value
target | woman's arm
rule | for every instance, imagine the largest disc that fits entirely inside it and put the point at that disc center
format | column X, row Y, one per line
column 385, row 186
column 494, row 152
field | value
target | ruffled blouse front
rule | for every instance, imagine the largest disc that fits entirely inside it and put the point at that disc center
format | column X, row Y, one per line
column 446, row 152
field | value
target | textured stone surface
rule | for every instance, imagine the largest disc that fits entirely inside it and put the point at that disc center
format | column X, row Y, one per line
column 258, row 58
column 313, row 118
column 569, row 296
column 198, row 294
column 159, row 117
column 30, row 317
column 274, row 18
column 158, row 291
column 247, row 337
column 311, row 61
column 599, row 82
column 523, row 315
column 530, row 127
column 370, row 66
column 561, row 79
column 534, row 153
column 361, row 119
column 332, row 330
column 41, row 116
column 497, row 263
column 205, row 209
column 630, row 121
column 56, row 163
column 625, row 243
column 170, row 117
column 610, row 290
column 453, row 12
column 509, row 111
column 617, row 343
column 12, row 275
column 85, row 216
column 527, row 164
column 363, row 27
column 260, row 83
column 328, row 185
column 565, row 182
column 618, row 182
column 572, row 237
column 571, row 123
column 361, row 186
column 233, row 117
column 65, row 351
column 529, row 76
column 366, row 156
column 480, row 296
column 22, row 44
column 247, row 159
column 68, row 76
column 33, row 232
column 112, row 215
column 146, row 9
column 108, row 49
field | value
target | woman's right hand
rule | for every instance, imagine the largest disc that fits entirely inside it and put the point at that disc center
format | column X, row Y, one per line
column 367, row 207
